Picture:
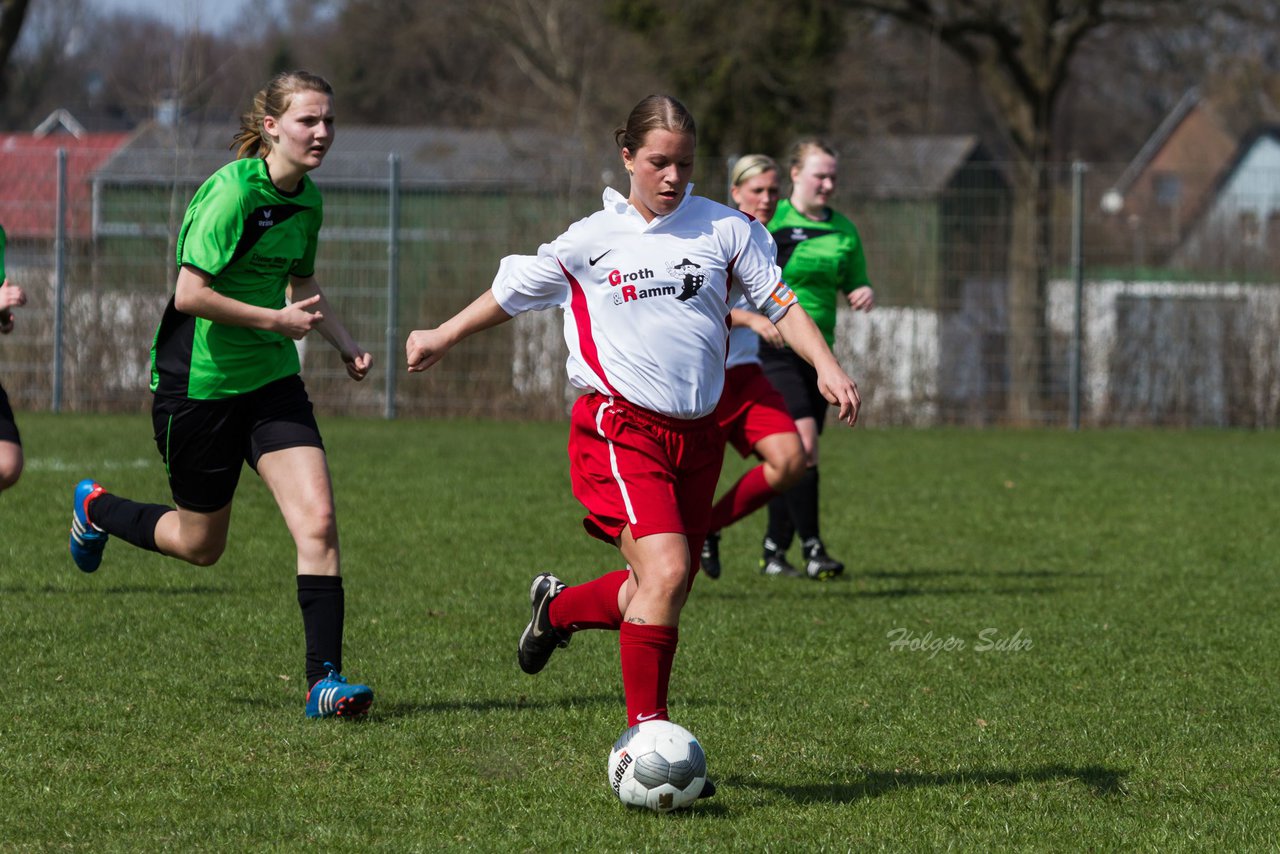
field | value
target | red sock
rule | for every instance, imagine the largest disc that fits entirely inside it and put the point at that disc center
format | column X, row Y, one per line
column 593, row 605
column 647, row 652
column 748, row 495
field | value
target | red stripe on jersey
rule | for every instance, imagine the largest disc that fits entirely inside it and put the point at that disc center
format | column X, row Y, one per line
column 582, row 318
column 728, row 282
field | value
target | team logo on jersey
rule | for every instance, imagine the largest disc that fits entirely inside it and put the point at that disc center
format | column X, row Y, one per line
column 691, row 280
column 264, row 218
column 629, row 288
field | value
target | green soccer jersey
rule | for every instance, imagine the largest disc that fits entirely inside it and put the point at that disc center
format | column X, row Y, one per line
column 250, row 236
column 819, row 261
column 2, row 244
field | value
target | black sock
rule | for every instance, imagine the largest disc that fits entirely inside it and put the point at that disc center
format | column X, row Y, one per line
column 802, row 501
column 780, row 531
column 320, row 598
column 131, row 521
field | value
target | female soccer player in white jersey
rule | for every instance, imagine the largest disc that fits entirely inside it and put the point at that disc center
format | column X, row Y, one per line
column 225, row 375
column 645, row 286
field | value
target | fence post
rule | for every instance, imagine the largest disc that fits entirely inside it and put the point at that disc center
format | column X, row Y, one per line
column 391, row 371
column 1077, row 277
column 59, row 277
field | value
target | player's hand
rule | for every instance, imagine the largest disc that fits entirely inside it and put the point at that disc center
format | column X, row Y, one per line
column 11, row 295
column 358, row 364
column 768, row 333
column 424, row 348
column 295, row 321
column 840, row 391
column 862, row 299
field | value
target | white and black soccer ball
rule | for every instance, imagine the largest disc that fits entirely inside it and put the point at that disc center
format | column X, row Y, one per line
column 658, row 765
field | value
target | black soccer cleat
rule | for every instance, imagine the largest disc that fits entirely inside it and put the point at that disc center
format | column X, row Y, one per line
column 819, row 565
column 775, row 563
column 711, row 555
column 540, row 639
column 708, row 790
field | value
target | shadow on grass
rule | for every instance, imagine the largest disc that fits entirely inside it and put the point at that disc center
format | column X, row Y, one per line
column 970, row 573
column 404, row 709
column 124, row 590
column 1102, row 782
column 842, row 587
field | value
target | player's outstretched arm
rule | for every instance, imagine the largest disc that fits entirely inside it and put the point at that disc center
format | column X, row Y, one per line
column 306, row 290
column 803, row 336
column 425, row 347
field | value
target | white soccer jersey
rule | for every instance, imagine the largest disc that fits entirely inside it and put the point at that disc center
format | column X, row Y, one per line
column 646, row 304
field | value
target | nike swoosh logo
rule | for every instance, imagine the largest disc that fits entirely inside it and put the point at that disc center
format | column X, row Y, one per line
column 592, row 261
column 537, row 633
column 647, row 717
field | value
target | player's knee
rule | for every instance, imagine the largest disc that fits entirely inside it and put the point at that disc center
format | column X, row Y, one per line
column 789, row 469
column 10, row 464
column 670, row 582
column 206, row 551
column 317, row 530
column 9, row 476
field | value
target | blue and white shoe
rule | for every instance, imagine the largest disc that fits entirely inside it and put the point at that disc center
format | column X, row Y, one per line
column 334, row 696
column 87, row 541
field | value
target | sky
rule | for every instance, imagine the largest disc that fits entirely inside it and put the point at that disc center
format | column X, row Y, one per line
column 215, row 15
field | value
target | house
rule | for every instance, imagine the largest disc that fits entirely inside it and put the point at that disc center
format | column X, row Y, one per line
column 1238, row 230
column 29, row 176
column 1167, row 183
column 932, row 212
column 934, row 216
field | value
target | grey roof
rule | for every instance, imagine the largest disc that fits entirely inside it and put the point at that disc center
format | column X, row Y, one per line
column 905, row 166
column 443, row 158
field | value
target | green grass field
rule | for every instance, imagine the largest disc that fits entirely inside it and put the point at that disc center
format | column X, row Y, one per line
column 1131, row 705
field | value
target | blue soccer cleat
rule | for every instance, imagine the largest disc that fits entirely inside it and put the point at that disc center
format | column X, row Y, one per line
column 87, row 541
column 333, row 696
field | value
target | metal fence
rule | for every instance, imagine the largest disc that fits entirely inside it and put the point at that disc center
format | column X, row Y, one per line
column 1164, row 317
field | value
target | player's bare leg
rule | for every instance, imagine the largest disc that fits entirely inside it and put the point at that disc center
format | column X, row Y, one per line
column 198, row 538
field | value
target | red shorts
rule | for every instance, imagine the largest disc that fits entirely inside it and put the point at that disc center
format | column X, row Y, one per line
column 634, row 468
column 751, row 408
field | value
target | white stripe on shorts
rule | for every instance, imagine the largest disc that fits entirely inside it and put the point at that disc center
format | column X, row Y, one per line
column 613, row 460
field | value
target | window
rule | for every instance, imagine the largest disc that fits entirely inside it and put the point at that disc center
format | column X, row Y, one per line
column 1168, row 189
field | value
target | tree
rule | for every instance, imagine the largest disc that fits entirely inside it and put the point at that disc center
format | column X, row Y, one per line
column 755, row 74
column 12, row 14
column 1021, row 53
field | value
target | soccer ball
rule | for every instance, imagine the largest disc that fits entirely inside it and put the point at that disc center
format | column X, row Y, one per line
column 658, row 765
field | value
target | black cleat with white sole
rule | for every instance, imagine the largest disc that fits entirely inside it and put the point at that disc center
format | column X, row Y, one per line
column 540, row 639
column 819, row 565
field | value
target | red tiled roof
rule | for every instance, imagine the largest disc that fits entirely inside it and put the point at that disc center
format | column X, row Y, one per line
column 29, row 181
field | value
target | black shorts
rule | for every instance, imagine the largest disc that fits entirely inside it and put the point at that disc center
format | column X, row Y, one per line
column 8, row 426
column 797, row 381
column 204, row 443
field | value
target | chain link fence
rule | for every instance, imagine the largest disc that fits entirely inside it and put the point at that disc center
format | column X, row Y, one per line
column 1163, row 314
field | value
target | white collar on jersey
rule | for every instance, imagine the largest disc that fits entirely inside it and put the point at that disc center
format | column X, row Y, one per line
column 621, row 205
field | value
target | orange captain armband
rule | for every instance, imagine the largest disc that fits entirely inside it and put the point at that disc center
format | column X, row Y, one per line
column 780, row 299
